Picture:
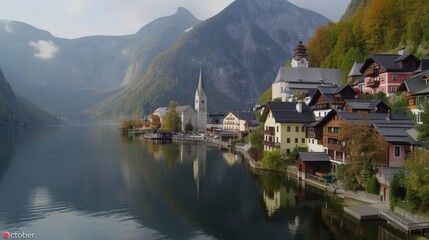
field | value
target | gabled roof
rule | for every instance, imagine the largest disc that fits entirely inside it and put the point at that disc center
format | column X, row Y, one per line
column 215, row 118
column 309, row 75
column 416, row 85
column 313, row 156
column 328, row 92
column 286, row 112
column 162, row 111
column 355, row 71
column 423, row 65
column 184, row 108
column 389, row 173
column 388, row 61
column 361, row 104
column 392, row 127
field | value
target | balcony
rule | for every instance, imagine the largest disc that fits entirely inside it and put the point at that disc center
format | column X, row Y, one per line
column 269, row 132
column 271, row 144
column 373, row 83
column 332, row 146
column 311, row 135
column 372, row 72
column 331, row 134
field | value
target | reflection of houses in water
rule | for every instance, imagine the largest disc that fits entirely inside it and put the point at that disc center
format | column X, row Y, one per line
column 199, row 166
column 284, row 198
column 231, row 158
column 293, row 226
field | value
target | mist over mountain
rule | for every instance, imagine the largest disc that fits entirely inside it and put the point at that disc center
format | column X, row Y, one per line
column 69, row 75
column 15, row 110
column 241, row 50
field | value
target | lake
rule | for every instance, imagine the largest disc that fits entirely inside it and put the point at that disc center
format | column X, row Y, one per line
column 88, row 182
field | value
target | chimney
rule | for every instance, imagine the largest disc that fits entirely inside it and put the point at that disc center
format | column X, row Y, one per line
column 299, row 106
column 389, row 116
column 401, row 51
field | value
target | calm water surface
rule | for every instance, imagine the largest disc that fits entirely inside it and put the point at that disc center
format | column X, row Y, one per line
column 88, row 182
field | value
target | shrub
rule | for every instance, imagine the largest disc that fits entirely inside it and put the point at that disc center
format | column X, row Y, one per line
column 272, row 160
column 373, row 186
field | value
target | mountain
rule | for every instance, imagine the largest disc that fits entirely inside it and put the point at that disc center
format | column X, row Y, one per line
column 241, row 50
column 375, row 26
column 351, row 8
column 15, row 110
column 69, row 75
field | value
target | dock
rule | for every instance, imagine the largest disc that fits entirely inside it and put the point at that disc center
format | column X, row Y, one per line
column 363, row 212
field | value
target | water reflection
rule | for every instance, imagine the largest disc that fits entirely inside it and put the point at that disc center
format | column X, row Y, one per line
column 88, row 182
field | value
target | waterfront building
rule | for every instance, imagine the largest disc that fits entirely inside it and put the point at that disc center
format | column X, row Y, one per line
column 284, row 125
column 215, row 121
column 386, row 72
column 312, row 163
column 301, row 78
column 240, row 121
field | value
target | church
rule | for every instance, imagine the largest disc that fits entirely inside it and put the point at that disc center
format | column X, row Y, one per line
column 301, row 78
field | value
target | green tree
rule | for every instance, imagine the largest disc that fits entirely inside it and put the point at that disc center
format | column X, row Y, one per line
column 266, row 96
column 424, row 127
column 272, row 160
column 189, row 127
column 417, row 179
column 257, row 136
column 172, row 118
column 397, row 187
column 373, row 186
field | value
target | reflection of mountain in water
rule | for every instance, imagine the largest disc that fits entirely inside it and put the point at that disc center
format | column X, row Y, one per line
column 7, row 145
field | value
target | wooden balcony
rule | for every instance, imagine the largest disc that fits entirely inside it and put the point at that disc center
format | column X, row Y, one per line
column 310, row 135
column 331, row 134
column 372, row 72
column 373, row 83
column 270, row 132
column 332, row 146
column 271, row 144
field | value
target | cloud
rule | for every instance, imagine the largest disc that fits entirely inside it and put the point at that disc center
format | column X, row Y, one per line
column 45, row 50
column 6, row 26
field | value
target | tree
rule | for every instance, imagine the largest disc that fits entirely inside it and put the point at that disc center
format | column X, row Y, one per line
column 424, row 127
column 257, row 136
column 272, row 160
column 397, row 187
column 189, row 127
column 373, row 186
column 365, row 150
column 417, row 179
column 172, row 118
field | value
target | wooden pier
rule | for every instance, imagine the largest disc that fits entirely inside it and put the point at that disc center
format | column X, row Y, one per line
column 363, row 212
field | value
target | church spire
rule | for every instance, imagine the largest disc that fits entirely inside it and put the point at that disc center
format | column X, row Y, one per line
column 200, row 79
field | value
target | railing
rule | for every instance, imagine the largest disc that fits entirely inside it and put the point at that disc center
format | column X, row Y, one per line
column 311, row 135
column 269, row 132
column 332, row 146
column 372, row 72
column 373, row 83
column 271, row 144
column 401, row 224
column 331, row 134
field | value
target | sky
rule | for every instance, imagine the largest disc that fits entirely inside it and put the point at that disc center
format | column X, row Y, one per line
column 77, row 18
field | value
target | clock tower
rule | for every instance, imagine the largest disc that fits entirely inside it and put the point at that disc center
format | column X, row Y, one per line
column 300, row 57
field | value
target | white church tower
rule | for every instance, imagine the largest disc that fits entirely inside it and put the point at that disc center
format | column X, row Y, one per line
column 201, row 105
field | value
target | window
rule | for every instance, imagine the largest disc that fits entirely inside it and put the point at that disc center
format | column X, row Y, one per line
column 288, row 140
column 288, row 151
column 277, row 128
column 312, row 141
column 397, row 151
column 302, row 129
column 296, row 140
column 394, row 77
column 288, row 128
column 302, row 140
column 296, row 129
column 393, row 89
column 277, row 139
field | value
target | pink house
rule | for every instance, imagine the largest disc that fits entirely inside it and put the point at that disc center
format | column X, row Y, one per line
column 386, row 72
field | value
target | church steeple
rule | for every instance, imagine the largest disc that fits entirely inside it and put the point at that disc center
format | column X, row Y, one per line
column 201, row 104
column 300, row 57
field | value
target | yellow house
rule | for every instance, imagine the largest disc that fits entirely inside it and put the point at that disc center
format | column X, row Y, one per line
column 284, row 125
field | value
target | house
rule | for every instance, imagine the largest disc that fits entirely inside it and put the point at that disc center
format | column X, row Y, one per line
column 312, row 163
column 356, row 78
column 386, row 72
column 284, row 125
column 391, row 128
column 385, row 176
column 417, row 92
column 215, row 121
column 369, row 106
column 330, row 97
column 314, row 136
column 239, row 121
column 160, row 112
column 301, row 78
